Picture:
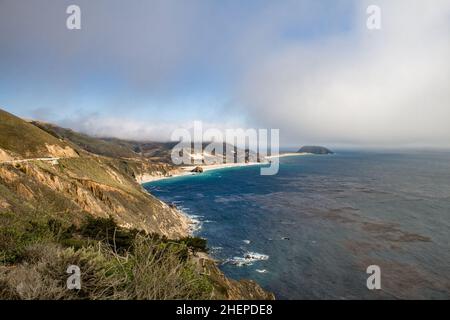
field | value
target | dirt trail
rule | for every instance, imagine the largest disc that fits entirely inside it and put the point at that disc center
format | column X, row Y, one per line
column 55, row 159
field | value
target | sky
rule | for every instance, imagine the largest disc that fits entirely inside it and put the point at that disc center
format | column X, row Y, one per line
column 139, row 69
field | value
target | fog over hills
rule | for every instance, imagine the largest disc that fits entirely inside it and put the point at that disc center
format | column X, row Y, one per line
column 309, row 68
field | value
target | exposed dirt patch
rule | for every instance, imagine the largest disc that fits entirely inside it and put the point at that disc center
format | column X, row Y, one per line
column 7, row 175
column 4, row 156
column 59, row 152
column 4, row 204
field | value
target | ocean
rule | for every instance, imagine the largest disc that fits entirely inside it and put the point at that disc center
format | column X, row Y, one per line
column 311, row 231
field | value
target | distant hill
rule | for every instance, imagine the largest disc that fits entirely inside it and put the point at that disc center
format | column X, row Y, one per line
column 104, row 147
column 315, row 150
column 52, row 179
column 84, row 175
column 119, row 148
column 74, row 183
column 111, row 147
column 20, row 139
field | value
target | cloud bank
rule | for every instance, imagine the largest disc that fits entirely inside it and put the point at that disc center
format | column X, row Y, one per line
column 310, row 68
column 372, row 88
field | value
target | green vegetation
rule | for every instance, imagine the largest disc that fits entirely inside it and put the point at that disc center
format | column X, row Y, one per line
column 23, row 138
column 84, row 185
column 121, row 239
column 49, row 220
column 116, row 263
column 195, row 243
column 90, row 144
column 110, row 147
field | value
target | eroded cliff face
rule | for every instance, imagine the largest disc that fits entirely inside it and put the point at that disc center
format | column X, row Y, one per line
column 42, row 173
column 5, row 156
column 76, row 187
column 229, row 289
column 61, row 152
column 145, row 171
column 80, row 186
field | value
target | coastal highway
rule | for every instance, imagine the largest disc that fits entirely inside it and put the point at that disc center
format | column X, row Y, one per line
column 53, row 160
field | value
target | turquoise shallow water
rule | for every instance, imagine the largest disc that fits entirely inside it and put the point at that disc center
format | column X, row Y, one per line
column 311, row 230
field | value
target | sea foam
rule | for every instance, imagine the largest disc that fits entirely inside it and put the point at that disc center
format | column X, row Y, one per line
column 247, row 260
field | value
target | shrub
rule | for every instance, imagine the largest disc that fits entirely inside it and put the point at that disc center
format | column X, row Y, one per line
column 195, row 243
column 115, row 263
column 152, row 270
column 107, row 230
column 42, row 274
column 16, row 236
column 161, row 271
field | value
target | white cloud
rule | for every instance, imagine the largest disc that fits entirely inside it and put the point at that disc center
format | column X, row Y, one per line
column 387, row 87
column 310, row 68
column 132, row 129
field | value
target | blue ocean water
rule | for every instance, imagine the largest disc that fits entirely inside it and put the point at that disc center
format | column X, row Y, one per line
column 311, row 231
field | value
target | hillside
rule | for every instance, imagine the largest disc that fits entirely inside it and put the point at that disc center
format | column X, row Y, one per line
column 76, row 182
column 118, row 148
column 22, row 140
column 90, row 144
column 110, row 147
column 48, row 180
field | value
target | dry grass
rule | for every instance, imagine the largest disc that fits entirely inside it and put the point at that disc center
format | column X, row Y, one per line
column 151, row 271
column 162, row 272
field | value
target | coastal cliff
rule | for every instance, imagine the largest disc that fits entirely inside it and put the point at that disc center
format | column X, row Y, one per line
column 229, row 289
column 46, row 179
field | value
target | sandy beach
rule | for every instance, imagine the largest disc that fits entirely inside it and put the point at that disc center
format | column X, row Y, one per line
column 187, row 170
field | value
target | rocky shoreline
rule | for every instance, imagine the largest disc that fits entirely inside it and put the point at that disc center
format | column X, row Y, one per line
column 225, row 288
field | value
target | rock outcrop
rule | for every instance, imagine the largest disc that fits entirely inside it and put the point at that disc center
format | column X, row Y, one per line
column 315, row 150
column 88, row 186
column 229, row 289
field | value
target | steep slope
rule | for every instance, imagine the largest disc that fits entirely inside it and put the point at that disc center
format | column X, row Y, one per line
column 145, row 150
column 46, row 176
column 79, row 186
column 90, row 144
column 22, row 140
column 110, row 147
column 73, row 184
